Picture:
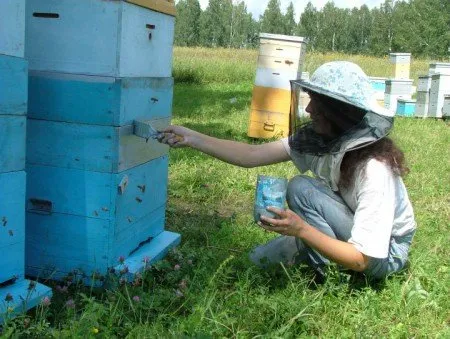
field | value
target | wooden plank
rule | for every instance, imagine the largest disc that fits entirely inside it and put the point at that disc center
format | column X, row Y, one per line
column 106, row 100
column 116, row 39
column 163, row 6
column 12, row 27
column 154, row 251
column 26, row 294
column 90, row 147
column 271, row 99
column 12, row 143
column 13, row 84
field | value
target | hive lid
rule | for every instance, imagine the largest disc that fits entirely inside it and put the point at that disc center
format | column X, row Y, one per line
column 163, row 6
column 282, row 37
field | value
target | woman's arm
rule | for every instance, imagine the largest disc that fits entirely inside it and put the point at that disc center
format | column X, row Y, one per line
column 233, row 152
column 340, row 252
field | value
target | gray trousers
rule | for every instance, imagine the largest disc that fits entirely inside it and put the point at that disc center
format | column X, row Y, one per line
column 325, row 210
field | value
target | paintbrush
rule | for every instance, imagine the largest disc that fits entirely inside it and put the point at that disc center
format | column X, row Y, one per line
column 143, row 129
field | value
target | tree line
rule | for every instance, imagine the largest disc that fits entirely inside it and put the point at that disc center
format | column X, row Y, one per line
column 421, row 27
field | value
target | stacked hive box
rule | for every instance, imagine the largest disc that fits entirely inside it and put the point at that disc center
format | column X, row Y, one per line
column 406, row 107
column 379, row 86
column 280, row 60
column 440, row 86
column 431, row 90
column 423, row 96
column 15, row 292
column 401, row 85
column 96, row 192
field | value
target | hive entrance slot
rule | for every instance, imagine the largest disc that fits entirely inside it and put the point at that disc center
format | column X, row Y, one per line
column 142, row 243
column 46, row 15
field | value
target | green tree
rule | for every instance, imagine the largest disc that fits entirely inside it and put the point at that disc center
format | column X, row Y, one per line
column 187, row 27
column 383, row 29
column 272, row 19
column 309, row 25
column 215, row 24
column 290, row 26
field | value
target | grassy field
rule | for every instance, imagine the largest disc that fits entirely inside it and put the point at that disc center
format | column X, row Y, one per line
column 208, row 287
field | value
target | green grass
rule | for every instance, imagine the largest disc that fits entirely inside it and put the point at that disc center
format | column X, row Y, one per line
column 216, row 291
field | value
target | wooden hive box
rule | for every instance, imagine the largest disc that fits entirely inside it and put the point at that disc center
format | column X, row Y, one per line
column 402, row 62
column 440, row 86
column 17, row 294
column 84, row 221
column 439, row 68
column 405, row 107
column 113, row 38
column 12, row 28
column 280, row 60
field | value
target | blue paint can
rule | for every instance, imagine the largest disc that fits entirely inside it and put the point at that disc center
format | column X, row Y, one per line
column 270, row 191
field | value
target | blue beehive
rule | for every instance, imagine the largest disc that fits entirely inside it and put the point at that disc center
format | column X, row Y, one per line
column 95, row 191
column 17, row 294
column 406, row 107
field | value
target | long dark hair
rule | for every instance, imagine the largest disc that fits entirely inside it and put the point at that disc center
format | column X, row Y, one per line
column 384, row 150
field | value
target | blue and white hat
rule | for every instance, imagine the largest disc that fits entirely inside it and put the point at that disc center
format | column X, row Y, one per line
column 346, row 82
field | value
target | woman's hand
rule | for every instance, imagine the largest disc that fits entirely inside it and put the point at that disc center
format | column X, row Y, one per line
column 289, row 223
column 177, row 136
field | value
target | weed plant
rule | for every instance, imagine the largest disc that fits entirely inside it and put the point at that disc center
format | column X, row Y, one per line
column 207, row 287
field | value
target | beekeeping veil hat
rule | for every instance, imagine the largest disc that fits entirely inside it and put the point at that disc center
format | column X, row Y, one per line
column 360, row 118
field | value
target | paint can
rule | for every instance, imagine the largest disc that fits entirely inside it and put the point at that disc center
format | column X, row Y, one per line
column 270, row 191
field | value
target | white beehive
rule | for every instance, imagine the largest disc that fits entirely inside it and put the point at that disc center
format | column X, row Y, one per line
column 401, row 63
column 399, row 86
column 439, row 68
column 440, row 86
column 446, row 107
column 423, row 83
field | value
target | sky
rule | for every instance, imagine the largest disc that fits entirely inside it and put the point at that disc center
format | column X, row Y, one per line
column 257, row 7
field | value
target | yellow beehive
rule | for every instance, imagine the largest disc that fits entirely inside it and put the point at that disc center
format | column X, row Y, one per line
column 265, row 124
column 280, row 60
column 271, row 99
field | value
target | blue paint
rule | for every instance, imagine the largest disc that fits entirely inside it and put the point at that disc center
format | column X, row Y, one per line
column 12, row 225
column 89, row 147
column 115, row 38
column 12, row 262
column 13, row 84
column 270, row 191
column 96, row 195
column 12, row 143
column 57, row 244
column 12, row 28
column 98, row 100
column 25, row 294
column 406, row 108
